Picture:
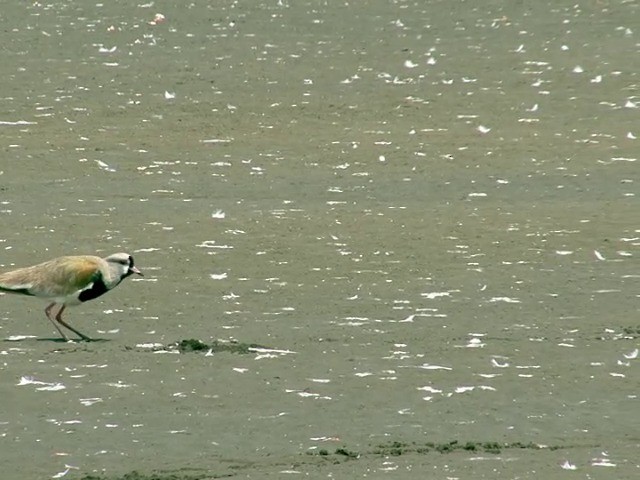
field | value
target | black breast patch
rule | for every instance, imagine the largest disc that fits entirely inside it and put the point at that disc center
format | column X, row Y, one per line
column 98, row 288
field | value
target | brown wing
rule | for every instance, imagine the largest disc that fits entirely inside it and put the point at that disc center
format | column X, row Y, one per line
column 56, row 278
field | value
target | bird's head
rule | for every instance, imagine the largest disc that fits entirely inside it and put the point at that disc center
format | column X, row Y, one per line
column 122, row 263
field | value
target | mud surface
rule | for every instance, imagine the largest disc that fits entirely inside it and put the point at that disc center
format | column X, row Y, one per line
column 416, row 221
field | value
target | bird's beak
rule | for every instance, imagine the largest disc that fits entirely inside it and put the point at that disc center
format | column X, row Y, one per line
column 136, row 271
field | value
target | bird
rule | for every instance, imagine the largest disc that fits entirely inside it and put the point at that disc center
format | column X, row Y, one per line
column 68, row 281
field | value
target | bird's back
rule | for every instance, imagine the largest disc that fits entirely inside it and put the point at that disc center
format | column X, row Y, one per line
column 56, row 278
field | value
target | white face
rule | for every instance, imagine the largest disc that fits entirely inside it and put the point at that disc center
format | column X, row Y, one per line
column 120, row 263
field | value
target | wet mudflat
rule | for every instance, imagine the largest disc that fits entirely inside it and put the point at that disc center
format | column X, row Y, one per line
column 403, row 237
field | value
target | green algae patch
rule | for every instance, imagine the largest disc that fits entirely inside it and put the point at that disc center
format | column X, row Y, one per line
column 632, row 332
column 192, row 345
column 135, row 475
column 197, row 346
column 400, row 448
column 347, row 453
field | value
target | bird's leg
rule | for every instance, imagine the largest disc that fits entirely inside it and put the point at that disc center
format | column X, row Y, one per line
column 65, row 324
column 47, row 312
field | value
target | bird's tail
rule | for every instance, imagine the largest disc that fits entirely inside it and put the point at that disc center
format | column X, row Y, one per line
column 20, row 289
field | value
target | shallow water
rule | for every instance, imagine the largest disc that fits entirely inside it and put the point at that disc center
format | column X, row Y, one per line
column 427, row 210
